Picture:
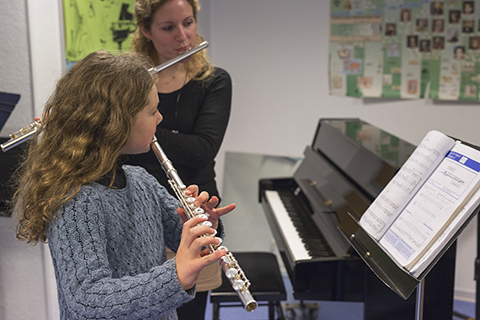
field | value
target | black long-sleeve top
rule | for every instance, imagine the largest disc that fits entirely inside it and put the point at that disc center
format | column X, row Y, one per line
column 199, row 112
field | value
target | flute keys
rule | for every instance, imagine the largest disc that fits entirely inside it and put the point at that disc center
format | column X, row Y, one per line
column 190, row 201
column 202, row 215
column 199, row 211
column 216, row 246
column 225, row 258
column 207, row 223
column 230, row 273
column 238, row 284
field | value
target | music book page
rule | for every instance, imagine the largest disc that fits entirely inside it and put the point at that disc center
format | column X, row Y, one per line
column 426, row 202
column 394, row 197
column 449, row 232
column 435, row 205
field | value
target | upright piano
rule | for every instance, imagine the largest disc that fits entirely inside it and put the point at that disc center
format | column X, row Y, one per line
column 344, row 169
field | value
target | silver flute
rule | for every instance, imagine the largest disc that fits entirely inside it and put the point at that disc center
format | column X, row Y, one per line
column 29, row 131
column 179, row 58
column 21, row 136
column 228, row 263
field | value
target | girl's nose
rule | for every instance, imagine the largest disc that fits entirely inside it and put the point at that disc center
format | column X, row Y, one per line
column 159, row 118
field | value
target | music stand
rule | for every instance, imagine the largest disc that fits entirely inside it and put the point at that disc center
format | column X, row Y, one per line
column 8, row 162
column 8, row 101
column 402, row 283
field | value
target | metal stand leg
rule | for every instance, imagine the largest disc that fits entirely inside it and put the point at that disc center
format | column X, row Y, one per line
column 216, row 311
column 477, row 269
column 419, row 301
column 306, row 311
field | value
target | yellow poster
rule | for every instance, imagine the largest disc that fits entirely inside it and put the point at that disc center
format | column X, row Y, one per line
column 92, row 25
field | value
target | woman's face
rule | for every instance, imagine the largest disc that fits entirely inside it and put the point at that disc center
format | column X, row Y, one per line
column 144, row 126
column 173, row 29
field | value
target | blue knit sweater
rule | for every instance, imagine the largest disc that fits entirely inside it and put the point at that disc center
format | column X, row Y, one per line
column 108, row 250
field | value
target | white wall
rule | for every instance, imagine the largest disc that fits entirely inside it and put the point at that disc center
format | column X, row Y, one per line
column 15, row 67
column 21, row 266
column 22, row 277
column 30, row 63
column 276, row 53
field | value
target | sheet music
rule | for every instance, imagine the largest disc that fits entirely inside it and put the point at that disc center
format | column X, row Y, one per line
column 435, row 206
column 393, row 199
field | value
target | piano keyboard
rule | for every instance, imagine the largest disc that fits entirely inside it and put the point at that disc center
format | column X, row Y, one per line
column 302, row 237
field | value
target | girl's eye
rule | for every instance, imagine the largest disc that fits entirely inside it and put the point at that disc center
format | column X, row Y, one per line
column 167, row 28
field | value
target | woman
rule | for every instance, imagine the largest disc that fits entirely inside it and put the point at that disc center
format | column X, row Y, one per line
column 195, row 100
column 107, row 225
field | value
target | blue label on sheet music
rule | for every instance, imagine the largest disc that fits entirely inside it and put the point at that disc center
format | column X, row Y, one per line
column 472, row 164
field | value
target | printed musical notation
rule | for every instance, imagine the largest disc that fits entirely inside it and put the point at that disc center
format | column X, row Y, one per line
column 429, row 191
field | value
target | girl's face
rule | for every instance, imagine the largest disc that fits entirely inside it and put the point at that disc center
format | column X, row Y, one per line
column 173, row 29
column 144, row 126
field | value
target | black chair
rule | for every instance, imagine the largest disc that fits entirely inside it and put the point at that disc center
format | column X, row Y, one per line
column 261, row 269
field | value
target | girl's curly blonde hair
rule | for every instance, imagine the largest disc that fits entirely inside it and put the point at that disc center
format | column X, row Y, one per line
column 85, row 124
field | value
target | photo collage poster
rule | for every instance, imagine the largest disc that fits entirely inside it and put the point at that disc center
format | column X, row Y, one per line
column 405, row 49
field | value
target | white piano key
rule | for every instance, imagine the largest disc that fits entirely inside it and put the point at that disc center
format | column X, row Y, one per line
column 293, row 239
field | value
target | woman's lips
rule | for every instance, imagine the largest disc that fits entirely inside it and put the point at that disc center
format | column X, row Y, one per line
column 183, row 50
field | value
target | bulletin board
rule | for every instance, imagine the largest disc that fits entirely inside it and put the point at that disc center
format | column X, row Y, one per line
column 92, row 25
column 405, row 49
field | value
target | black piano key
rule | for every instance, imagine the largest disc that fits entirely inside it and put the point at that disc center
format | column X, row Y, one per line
column 313, row 239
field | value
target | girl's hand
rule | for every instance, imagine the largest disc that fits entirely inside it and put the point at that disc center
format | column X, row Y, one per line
column 209, row 205
column 189, row 258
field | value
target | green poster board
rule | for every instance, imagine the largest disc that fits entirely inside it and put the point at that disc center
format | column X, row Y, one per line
column 92, row 25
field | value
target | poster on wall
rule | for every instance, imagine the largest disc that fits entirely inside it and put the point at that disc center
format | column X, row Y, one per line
column 92, row 25
column 405, row 49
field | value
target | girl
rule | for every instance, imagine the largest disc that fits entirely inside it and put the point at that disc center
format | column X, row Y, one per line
column 107, row 225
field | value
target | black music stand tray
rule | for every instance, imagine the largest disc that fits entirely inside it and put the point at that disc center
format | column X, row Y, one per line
column 397, row 279
column 7, row 103
column 8, row 162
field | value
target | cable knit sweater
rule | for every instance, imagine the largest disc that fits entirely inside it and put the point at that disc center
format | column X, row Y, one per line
column 108, row 250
